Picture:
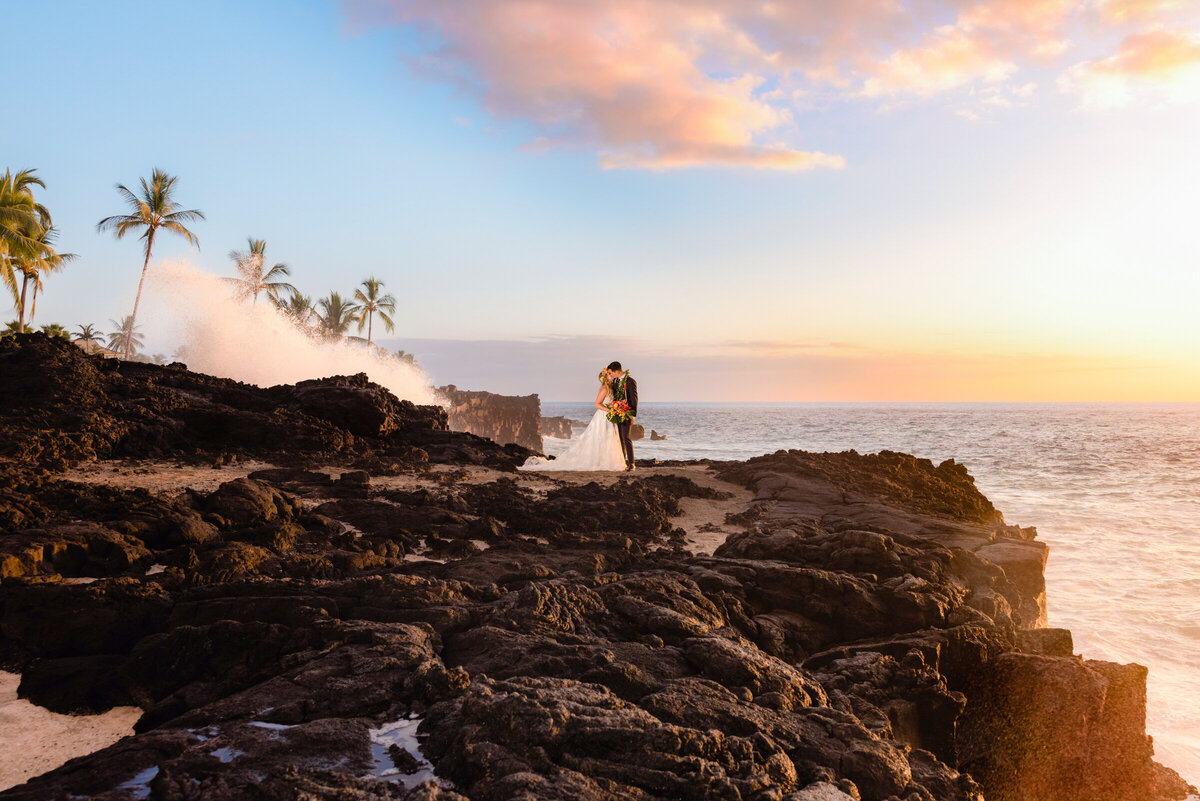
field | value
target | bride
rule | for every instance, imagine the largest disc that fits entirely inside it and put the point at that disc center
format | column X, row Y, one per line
column 598, row 447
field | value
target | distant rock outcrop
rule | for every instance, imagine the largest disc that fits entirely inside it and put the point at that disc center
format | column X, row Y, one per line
column 505, row 419
column 655, row 436
column 559, row 427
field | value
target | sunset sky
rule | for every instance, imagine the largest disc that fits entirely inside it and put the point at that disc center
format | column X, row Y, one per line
column 867, row 200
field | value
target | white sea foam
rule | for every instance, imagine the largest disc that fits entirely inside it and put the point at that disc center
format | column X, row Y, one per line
column 139, row 785
column 262, row 724
column 403, row 734
column 227, row 754
column 189, row 308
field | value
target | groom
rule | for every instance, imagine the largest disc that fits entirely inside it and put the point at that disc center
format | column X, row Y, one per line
column 624, row 388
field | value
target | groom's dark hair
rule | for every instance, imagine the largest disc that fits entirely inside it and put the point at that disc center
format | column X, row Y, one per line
column 615, row 366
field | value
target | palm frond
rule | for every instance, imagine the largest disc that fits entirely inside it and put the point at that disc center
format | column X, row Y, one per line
column 15, row 242
column 119, row 224
column 187, row 215
column 9, row 277
column 23, row 179
column 133, row 200
column 273, row 289
column 338, row 314
column 178, row 228
column 17, row 215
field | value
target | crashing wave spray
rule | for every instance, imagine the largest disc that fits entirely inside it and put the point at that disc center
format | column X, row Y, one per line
column 225, row 337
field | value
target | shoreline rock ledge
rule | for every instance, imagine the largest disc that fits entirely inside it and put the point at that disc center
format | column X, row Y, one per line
column 503, row 418
column 320, row 591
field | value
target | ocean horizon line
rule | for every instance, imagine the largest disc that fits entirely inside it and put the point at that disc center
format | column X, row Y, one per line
column 1110, row 404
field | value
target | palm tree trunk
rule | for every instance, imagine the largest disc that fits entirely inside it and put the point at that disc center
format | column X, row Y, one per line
column 370, row 322
column 138, row 298
column 21, row 316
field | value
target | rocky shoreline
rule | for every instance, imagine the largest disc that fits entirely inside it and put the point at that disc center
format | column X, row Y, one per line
column 319, row 591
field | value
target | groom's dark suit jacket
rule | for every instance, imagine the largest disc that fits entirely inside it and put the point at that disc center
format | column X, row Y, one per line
column 631, row 395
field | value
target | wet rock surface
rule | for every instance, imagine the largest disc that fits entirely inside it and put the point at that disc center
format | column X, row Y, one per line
column 306, row 633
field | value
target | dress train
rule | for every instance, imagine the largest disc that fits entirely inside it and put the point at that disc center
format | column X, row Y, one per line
column 597, row 448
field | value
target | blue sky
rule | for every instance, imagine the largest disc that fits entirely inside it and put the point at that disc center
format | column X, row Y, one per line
column 1039, row 251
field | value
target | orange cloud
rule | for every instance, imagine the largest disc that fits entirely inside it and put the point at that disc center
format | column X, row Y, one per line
column 664, row 84
column 986, row 42
column 953, row 59
column 1123, row 10
column 1163, row 64
column 1155, row 54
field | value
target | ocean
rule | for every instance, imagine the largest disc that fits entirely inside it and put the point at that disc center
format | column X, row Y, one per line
column 1113, row 489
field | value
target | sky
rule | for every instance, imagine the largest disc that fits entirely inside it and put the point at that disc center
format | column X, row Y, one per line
column 869, row 200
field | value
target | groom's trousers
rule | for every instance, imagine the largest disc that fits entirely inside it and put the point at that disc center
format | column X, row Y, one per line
column 626, row 441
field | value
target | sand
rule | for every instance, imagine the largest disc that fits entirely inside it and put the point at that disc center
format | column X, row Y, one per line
column 34, row 740
column 703, row 520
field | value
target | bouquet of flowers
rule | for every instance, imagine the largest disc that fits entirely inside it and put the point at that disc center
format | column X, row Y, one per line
column 618, row 412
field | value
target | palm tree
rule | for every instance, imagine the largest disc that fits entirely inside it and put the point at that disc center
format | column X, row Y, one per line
column 55, row 330
column 125, row 338
column 372, row 303
column 404, row 356
column 251, row 279
column 337, row 316
column 21, row 220
column 36, row 263
column 88, row 333
column 299, row 309
column 155, row 208
column 9, row 329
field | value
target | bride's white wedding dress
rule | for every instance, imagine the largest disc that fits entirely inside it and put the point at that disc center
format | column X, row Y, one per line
column 598, row 448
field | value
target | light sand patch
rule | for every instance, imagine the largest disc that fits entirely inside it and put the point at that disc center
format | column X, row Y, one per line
column 162, row 478
column 702, row 519
column 36, row 740
column 169, row 478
